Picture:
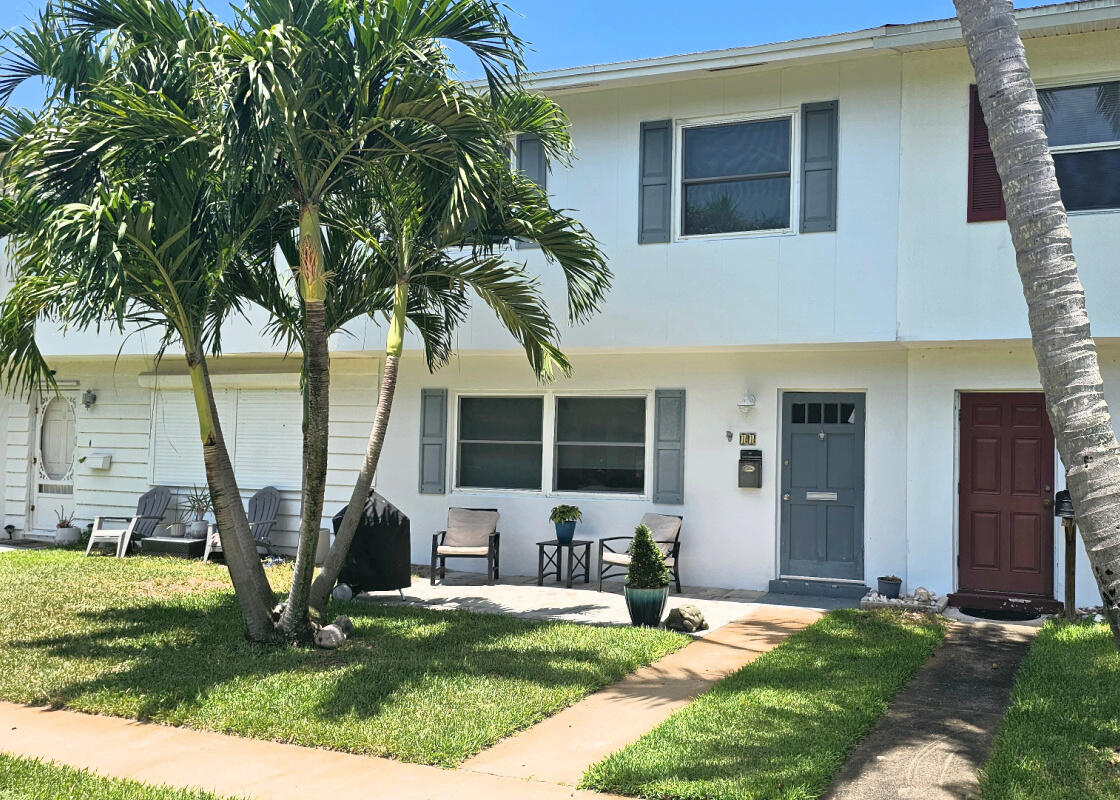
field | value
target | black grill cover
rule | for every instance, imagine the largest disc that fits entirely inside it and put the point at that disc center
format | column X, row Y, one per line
column 380, row 555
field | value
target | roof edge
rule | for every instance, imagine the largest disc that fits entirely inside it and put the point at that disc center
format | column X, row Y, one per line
column 1036, row 21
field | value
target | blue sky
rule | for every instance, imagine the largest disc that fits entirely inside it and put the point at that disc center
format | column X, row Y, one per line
column 568, row 33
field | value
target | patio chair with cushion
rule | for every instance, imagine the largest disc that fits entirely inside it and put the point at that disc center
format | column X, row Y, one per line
column 614, row 558
column 471, row 533
column 149, row 511
column 262, row 511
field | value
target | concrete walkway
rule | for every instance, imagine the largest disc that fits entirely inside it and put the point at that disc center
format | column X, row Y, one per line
column 937, row 733
column 562, row 747
column 233, row 767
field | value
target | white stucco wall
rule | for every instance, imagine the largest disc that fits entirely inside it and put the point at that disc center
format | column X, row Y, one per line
column 730, row 534
column 957, row 280
column 936, row 376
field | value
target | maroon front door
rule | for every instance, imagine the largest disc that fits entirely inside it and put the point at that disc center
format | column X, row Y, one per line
column 1006, row 495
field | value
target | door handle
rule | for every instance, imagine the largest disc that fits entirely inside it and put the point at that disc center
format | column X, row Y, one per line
column 786, row 497
column 1047, row 502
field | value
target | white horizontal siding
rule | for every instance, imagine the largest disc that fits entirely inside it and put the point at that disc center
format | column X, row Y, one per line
column 138, row 425
column 119, row 423
column 17, row 454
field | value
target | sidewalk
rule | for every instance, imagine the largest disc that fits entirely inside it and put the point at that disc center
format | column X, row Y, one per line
column 936, row 735
column 235, row 767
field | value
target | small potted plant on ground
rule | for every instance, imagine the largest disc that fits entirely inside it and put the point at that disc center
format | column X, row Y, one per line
column 565, row 519
column 198, row 503
column 66, row 532
column 647, row 580
column 889, row 586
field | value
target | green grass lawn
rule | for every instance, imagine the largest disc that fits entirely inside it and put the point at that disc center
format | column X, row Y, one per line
column 1060, row 739
column 27, row 779
column 160, row 639
column 781, row 726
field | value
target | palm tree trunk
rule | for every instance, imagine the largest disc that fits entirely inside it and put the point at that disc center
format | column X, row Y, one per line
column 394, row 346
column 295, row 622
column 1064, row 349
column 250, row 583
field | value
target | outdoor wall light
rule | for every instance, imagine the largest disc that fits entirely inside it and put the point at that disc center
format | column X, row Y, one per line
column 747, row 402
column 88, row 398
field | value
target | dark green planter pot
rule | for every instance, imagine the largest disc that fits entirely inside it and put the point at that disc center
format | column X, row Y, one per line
column 645, row 606
column 565, row 531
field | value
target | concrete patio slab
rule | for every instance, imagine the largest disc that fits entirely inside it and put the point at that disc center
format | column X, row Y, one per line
column 937, row 733
column 234, row 767
column 520, row 596
column 562, row 747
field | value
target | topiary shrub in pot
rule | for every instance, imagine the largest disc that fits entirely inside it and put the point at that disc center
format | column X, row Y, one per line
column 565, row 519
column 647, row 580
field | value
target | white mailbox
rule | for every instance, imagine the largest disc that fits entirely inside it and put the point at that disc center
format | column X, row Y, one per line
column 99, row 460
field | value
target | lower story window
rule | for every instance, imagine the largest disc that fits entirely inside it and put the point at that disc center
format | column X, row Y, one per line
column 600, row 444
column 500, row 442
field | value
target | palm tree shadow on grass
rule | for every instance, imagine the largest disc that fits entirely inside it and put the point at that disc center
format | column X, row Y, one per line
column 176, row 657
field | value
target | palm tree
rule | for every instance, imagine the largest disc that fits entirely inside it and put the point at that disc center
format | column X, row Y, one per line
column 117, row 215
column 1063, row 346
column 320, row 93
column 397, row 250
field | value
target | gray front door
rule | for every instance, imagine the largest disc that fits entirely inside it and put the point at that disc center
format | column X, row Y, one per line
column 822, row 485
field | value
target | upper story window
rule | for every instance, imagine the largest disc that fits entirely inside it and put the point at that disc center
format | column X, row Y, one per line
column 500, row 442
column 736, row 177
column 1083, row 128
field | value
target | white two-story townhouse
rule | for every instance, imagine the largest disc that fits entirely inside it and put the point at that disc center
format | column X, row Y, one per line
column 816, row 349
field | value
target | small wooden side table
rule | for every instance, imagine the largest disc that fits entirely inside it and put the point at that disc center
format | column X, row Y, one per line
column 550, row 556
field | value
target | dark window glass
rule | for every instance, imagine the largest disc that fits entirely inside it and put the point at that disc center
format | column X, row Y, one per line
column 1089, row 179
column 831, row 413
column 799, row 413
column 1080, row 117
column 500, row 442
column 499, row 466
column 1081, row 114
column 815, row 413
column 601, row 419
column 736, row 177
column 847, row 414
column 507, row 419
column 600, row 444
column 741, row 148
column 730, row 206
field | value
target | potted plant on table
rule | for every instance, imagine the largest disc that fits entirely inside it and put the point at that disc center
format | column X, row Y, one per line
column 647, row 580
column 565, row 519
column 889, row 586
column 66, row 532
column 198, row 503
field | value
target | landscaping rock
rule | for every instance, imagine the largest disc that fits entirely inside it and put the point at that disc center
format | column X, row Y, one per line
column 687, row 619
column 343, row 592
column 331, row 636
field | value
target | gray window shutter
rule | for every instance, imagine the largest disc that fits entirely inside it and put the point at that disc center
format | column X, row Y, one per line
column 668, row 446
column 819, row 136
column 655, row 190
column 433, row 441
column 533, row 165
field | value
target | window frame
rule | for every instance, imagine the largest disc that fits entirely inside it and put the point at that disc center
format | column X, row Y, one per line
column 548, row 432
column 457, row 456
column 647, row 433
column 680, row 126
column 1070, row 82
